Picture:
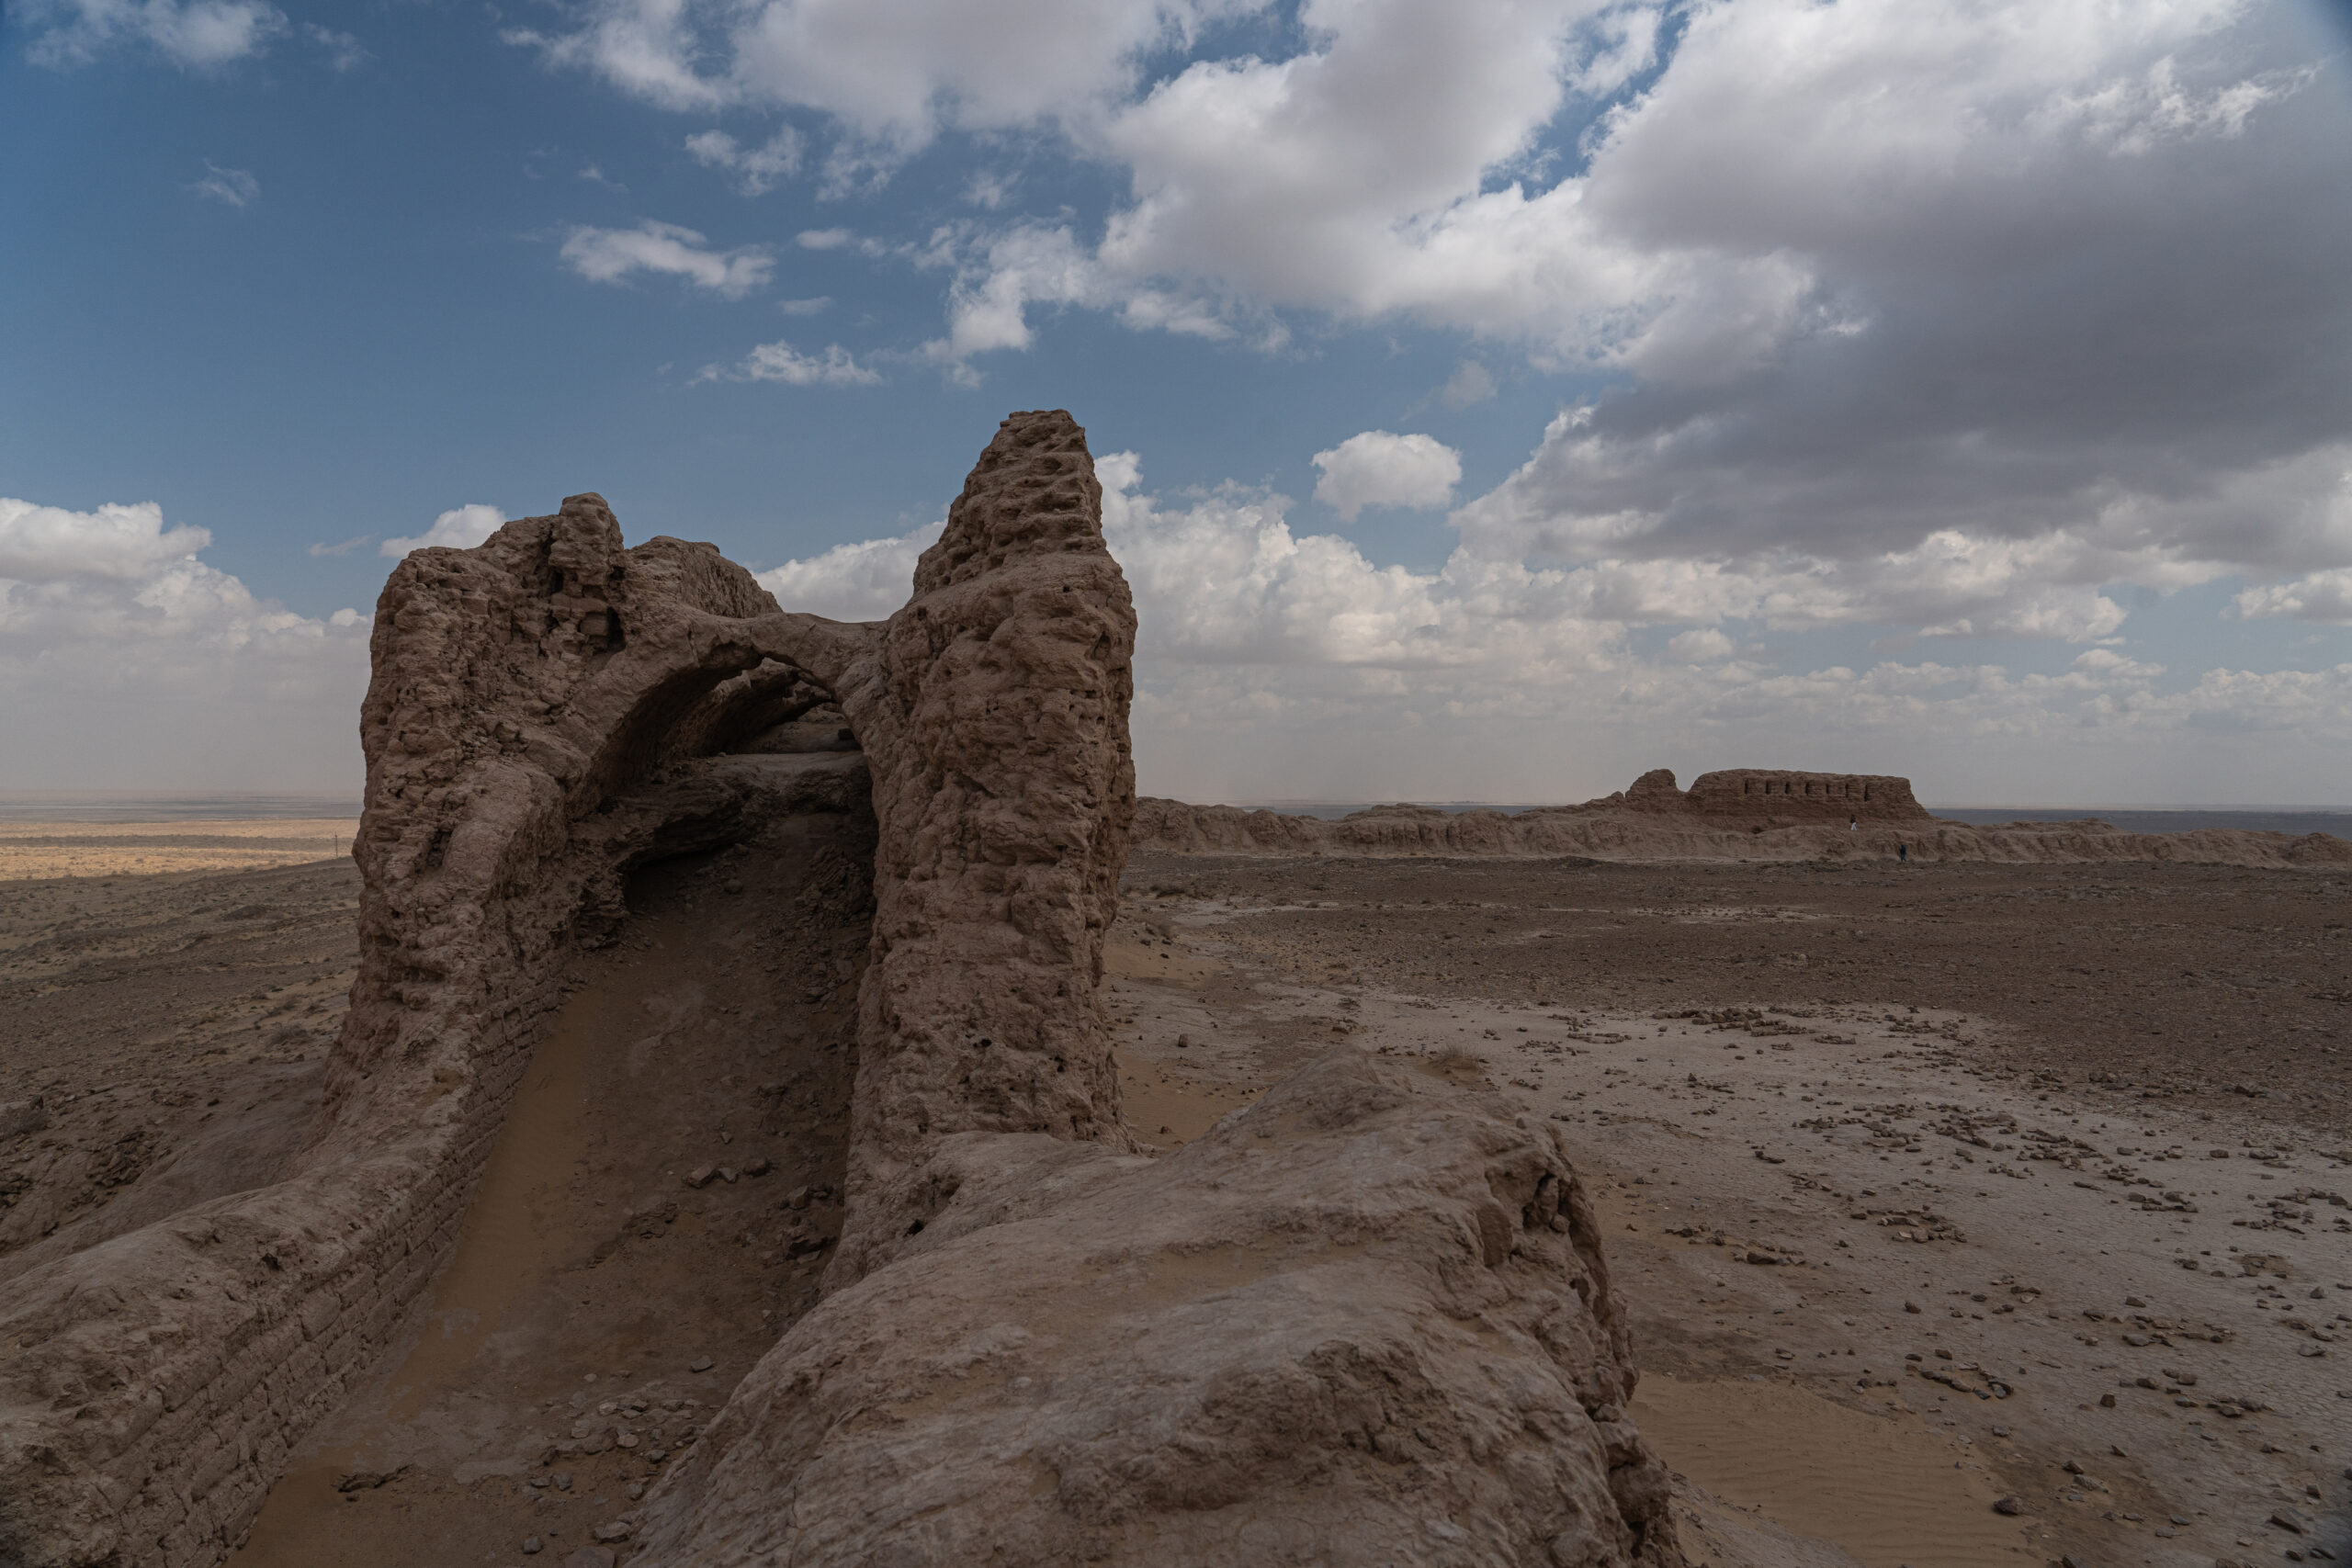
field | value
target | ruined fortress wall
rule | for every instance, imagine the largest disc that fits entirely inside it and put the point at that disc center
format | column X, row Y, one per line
column 1245, row 1350
column 540, row 718
column 1784, row 796
column 530, row 733
column 1248, row 1351
column 544, row 715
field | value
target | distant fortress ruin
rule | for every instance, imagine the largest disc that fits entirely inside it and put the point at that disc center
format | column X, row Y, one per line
column 1776, row 795
column 1734, row 813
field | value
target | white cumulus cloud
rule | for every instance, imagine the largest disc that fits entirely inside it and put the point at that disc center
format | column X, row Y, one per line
column 1274, row 663
column 612, row 256
column 1698, row 645
column 2322, row 596
column 1381, row 469
column 860, row 581
column 462, row 528
column 120, row 544
column 136, row 664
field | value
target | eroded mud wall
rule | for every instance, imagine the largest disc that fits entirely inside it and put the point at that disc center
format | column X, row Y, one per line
column 537, row 724
column 1157, row 1350
column 993, row 712
column 1365, row 1322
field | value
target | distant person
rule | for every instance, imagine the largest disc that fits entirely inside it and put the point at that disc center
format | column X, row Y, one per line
column 1902, row 853
column 1853, row 824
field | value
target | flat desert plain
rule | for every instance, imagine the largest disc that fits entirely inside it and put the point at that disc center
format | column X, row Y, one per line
column 1968, row 1213
column 38, row 851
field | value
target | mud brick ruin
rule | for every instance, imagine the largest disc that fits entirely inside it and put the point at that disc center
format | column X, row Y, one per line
column 1370, row 1313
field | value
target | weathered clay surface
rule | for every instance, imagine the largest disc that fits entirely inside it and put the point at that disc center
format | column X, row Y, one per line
column 1367, row 1321
column 1724, row 816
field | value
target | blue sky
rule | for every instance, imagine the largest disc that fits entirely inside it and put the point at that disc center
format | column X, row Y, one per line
column 1517, row 394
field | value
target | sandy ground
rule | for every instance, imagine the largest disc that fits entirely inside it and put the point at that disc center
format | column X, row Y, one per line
column 31, row 851
column 1890, row 1262
column 1922, row 1185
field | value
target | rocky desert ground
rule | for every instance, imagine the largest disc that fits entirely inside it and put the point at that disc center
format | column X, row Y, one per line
column 1925, row 1183
column 1930, row 1187
column 765, row 1090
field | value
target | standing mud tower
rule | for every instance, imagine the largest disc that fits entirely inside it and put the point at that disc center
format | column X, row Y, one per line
column 1365, row 1321
column 993, row 712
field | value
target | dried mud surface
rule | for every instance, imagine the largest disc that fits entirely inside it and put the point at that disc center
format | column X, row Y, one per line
column 1807, row 1100
column 162, row 1042
column 1993, row 1094
column 1922, row 1184
column 2207, row 985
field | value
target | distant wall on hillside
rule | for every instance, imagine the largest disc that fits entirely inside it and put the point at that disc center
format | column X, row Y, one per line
column 1784, row 796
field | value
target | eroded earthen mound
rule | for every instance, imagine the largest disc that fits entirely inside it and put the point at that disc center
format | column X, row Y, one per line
column 1370, row 1316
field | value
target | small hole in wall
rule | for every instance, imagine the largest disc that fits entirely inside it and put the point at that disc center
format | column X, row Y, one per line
column 913, row 1228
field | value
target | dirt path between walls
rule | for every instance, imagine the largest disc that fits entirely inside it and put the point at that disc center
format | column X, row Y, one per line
column 653, row 1215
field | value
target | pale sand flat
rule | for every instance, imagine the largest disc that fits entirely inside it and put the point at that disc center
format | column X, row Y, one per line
column 34, row 851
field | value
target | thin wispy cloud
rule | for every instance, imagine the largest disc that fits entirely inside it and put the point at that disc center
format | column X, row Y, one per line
column 343, row 50
column 779, row 361
column 615, row 255
column 1471, row 384
column 757, row 170
column 237, row 188
column 194, row 34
